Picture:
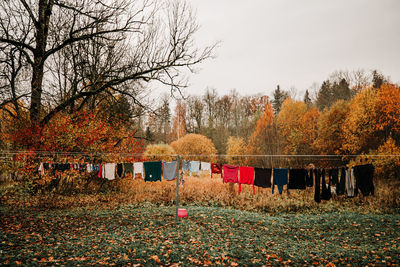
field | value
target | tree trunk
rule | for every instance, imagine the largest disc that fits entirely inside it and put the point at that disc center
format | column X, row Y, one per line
column 42, row 30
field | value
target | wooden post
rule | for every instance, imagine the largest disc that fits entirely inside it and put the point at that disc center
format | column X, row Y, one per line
column 177, row 190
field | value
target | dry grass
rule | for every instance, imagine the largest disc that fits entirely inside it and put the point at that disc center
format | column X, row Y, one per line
column 212, row 192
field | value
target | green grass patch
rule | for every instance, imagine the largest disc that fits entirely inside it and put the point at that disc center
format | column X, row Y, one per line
column 147, row 234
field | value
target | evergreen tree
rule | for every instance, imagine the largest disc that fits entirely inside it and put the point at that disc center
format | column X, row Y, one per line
column 307, row 98
column 325, row 96
column 279, row 97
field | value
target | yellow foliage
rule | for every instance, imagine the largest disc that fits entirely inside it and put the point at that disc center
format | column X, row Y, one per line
column 192, row 145
column 359, row 133
column 388, row 167
column 330, row 133
column 236, row 146
column 159, row 152
column 297, row 126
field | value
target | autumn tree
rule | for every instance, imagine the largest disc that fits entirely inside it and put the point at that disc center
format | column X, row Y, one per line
column 330, row 136
column 358, row 128
column 195, row 147
column 236, row 146
column 159, row 152
column 35, row 33
column 179, row 121
column 297, row 127
column 264, row 139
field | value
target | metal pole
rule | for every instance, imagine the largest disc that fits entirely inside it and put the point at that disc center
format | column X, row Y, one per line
column 177, row 190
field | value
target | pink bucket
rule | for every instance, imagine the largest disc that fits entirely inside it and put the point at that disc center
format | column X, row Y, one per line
column 182, row 213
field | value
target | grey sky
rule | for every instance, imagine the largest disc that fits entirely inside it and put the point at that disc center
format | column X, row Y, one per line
column 294, row 43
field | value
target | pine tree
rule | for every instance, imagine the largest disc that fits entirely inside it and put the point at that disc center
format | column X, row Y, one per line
column 279, row 97
column 307, row 98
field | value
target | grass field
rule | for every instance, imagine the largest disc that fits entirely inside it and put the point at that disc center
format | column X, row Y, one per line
column 146, row 234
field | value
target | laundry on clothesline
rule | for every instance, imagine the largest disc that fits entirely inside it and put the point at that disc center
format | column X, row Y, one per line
column 348, row 181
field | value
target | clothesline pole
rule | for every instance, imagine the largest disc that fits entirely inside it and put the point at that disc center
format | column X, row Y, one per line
column 177, row 191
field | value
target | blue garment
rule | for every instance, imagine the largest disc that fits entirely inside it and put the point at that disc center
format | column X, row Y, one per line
column 185, row 165
column 195, row 167
column 280, row 178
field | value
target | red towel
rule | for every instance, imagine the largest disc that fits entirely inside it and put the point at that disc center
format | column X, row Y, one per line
column 230, row 174
column 216, row 168
column 246, row 177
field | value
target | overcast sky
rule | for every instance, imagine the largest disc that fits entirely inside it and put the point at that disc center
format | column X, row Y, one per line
column 294, row 43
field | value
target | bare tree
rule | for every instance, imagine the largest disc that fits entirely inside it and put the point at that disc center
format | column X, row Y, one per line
column 104, row 44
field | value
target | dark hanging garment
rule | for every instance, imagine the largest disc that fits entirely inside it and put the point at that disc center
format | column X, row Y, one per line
column 128, row 168
column 46, row 166
column 317, row 192
column 280, row 178
column 310, row 178
column 297, row 179
column 342, row 182
column 120, row 170
column 262, row 177
column 152, row 171
column 326, row 188
column 364, row 175
column 334, row 176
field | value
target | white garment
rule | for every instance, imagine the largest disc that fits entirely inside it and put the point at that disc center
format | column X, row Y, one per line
column 41, row 169
column 138, row 168
column 109, row 171
column 89, row 167
column 205, row 166
column 350, row 182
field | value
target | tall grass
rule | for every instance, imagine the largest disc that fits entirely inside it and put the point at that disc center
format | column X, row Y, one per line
column 213, row 192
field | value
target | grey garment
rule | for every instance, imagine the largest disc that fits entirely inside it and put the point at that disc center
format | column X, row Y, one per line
column 128, row 167
column 195, row 167
column 170, row 170
column 185, row 165
column 109, row 171
column 350, row 182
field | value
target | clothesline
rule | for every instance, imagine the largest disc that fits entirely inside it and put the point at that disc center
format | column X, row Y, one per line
column 11, row 152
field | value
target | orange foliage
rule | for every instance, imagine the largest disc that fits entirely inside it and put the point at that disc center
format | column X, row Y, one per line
column 330, row 134
column 297, row 126
column 159, row 152
column 388, row 109
column 236, row 146
column 195, row 144
column 359, row 133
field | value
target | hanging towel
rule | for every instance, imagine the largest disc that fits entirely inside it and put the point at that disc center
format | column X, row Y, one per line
column 170, row 170
column 205, row 166
column 246, row 177
column 326, row 188
column 317, row 192
column 109, row 171
column 280, row 178
column 297, row 178
column 186, row 165
column 364, row 175
column 350, row 182
column 195, row 167
column 262, row 177
column 152, row 171
column 120, row 170
column 216, row 168
column 230, row 174
column 128, row 168
column 340, row 188
column 138, row 169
